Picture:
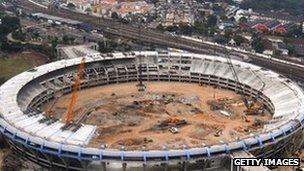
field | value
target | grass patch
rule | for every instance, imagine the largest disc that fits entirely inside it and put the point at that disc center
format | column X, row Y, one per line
column 12, row 67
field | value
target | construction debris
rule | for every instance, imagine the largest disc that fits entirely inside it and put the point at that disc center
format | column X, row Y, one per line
column 160, row 116
column 173, row 130
column 255, row 109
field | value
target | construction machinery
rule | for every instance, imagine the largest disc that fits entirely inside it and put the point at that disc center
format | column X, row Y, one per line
column 69, row 116
column 255, row 108
column 173, row 121
column 236, row 79
column 49, row 111
column 250, row 105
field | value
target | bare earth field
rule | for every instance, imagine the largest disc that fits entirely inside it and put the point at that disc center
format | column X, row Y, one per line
column 168, row 115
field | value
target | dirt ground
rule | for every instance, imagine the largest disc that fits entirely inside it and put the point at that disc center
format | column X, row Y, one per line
column 133, row 120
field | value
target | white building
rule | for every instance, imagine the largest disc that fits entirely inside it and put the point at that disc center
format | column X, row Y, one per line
column 83, row 5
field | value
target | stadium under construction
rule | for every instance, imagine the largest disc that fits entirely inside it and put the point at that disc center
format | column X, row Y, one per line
column 71, row 143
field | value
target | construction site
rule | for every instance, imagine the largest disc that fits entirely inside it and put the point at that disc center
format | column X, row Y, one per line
column 166, row 115
column 150, row 110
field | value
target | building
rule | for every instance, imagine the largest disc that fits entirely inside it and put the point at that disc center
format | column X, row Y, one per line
column 270, row 27
column 138, row 7
column 282, row 47
column 77, row 51
column 268, row 47
column 83, row 5
column 298, row 47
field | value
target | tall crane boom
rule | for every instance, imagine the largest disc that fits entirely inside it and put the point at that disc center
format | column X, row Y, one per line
column 236, row 79
column 69, row 117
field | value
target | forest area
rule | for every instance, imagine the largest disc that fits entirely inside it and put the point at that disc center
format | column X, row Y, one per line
column 293, row 7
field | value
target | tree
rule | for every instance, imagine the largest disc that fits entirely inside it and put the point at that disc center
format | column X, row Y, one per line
column 172, row 28
column 2, row 80
column 200, row 28
column 217, row 8
column 186, row 29
column 211, row 21
column 65, row 39
column 102, row 47
column 35, row 35
column 54, row 44
column 238, row 40
column 12, row 47
column 243, row 20
column 114, row 16
column 294, row 7
column 12, row 23
column 19, row 35
column 9, row 24
column 71, row 6
column 88, row 10
column 257, row 44
column 228, row 33
column 224, row 17
column 72, row 40
column 291, row 50
column 154, row 1
column 221, row 40
column 160, row 27
column 211, row 31
column 295, row 32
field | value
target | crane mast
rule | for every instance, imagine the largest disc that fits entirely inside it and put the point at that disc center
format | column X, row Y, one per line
column 236, row 79
column 69, row 117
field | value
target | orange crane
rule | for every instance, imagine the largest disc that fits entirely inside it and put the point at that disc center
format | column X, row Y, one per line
column 69, row 117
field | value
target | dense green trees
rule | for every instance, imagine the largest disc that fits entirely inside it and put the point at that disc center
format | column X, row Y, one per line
column 9, row 24
column 243, row 20
column 200, row 28
column 68, row 40
column 295, row 32
column 115, row 16
column 294, row 7
column 238, row 39
column 71, row 6
column 54, row 43
column 211, row 20
column 257, row 44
